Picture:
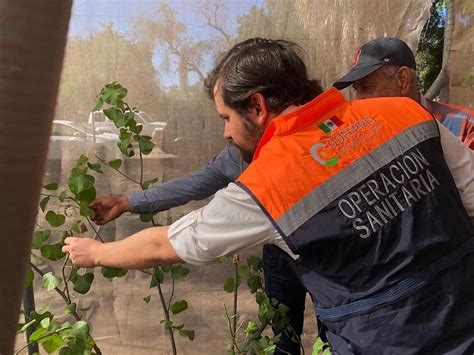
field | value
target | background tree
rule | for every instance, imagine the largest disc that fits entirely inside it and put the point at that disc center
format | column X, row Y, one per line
column 102, row 57
column 429, row 56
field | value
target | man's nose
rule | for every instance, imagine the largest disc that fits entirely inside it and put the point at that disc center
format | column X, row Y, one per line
column 227, row 134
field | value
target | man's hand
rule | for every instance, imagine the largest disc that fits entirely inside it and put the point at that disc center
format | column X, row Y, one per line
column 108, row 208
column 82, row 251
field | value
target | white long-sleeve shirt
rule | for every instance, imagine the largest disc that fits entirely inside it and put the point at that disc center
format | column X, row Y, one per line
column 232, row 221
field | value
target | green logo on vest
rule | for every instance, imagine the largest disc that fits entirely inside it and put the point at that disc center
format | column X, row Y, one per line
column 321, row 158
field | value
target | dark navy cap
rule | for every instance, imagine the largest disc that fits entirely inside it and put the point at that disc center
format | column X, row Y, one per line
column 375, row 54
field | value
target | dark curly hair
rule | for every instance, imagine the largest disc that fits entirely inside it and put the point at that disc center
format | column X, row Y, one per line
column 273, row 68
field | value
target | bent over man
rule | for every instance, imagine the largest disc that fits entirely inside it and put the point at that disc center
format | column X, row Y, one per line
column 372, row 198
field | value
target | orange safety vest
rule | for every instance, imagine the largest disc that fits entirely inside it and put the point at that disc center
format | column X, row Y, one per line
column 360, row 190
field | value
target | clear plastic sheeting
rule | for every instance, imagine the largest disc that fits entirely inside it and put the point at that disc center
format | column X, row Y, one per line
column 338, row 28
column 161, row 51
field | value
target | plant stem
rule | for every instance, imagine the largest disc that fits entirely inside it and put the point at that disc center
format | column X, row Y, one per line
column 167, row 314
column 43, row 337
column 235, row 260
column 141, row 166
column 65, row 298
column 117, row 170
column 96, row 231
column 66, row 288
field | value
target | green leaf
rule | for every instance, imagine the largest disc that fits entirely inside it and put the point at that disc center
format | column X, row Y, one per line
column 95, row 167
column 117, row 116
column 147, row 299
column 254, row 283
column 39, row 238
column 82, row 283
column 26, row 326
column 147, row 216
column 124, row 145
column 55, row 220
column 99, row 104
column 255, row 263
column 51, row 186
column 179, row 307
column 45, row 323
column 260, row 297
column 283, row 309
column 52, row 252
column 75, row 228
column 62, row 196
column 52, row 343
column 251, row 328
column 38, row 333
column 113, row 93
column 157, row 276
column 179, row 272
column 187, row 334
column 243, row 270
column 81, row 164
column 28, row 278
column 70, row 308
column 51, row 281
column 146, row 145
column 44, row 201
column 147, row 183
column 110, row 272
column 124, row 134
column 137, row 129
column 80, row 330
column 165, row 268
column 84, row 209
column 167, row 324
column 82, row 185
column 115, row 164
column 178, row 327
column 229, row 285
column 317, row 347
column 40, row 316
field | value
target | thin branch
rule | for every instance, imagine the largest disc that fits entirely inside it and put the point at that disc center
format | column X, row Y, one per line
column 66, row 287
column 167, row 314
column 120, row 172
column 64, row 297
column 234, row 345
column 96, row 231
column 43, row 337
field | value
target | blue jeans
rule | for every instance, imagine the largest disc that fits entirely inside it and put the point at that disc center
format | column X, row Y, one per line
column 282, row 284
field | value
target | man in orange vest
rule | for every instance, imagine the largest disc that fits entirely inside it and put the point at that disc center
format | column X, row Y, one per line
column 373, row 199
column 386, row 67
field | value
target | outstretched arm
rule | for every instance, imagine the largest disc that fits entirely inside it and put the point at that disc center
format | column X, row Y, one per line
column 145, row 249
column 202, row 183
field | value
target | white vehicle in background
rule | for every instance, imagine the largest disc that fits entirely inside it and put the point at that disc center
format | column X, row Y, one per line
column 99, row 123
column 68, row 141
column 63, row 130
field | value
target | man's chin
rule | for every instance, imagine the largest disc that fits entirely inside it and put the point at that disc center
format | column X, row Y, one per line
column 247, row 155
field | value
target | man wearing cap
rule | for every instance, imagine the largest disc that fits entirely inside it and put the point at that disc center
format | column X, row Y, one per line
column 386, row 67
column 376, row 212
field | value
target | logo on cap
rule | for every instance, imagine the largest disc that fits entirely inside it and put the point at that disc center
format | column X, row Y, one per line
column 355, row 60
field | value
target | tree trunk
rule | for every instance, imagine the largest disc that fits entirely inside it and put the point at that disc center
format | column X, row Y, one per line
column 442, row 79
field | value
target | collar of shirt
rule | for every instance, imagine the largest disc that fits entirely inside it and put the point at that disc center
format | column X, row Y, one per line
column 298, row 116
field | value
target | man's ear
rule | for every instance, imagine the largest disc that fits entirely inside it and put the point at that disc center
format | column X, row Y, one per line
column 259, row 109
column 404, row 79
